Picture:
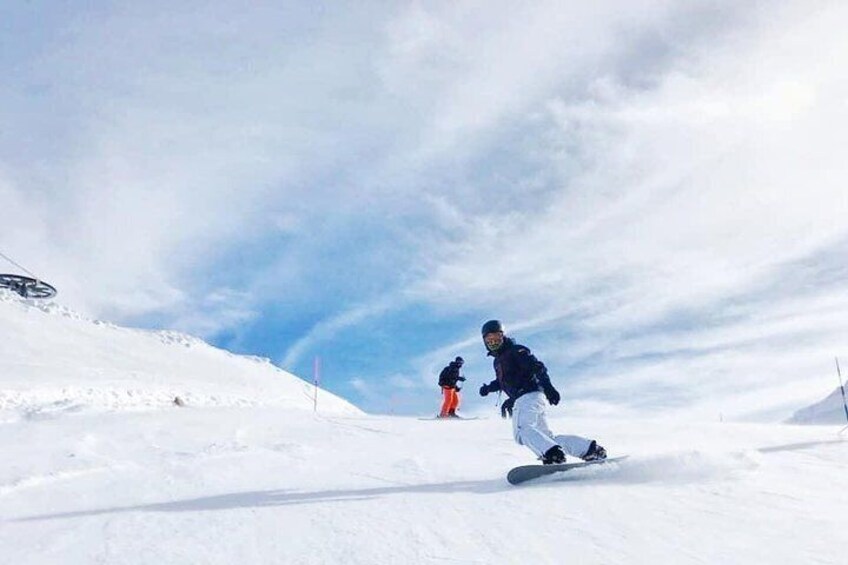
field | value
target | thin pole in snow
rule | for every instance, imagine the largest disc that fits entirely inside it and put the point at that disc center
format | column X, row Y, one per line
column 316, row 380
column 842, row 388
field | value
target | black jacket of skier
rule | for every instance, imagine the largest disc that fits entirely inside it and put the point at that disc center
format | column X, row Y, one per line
column 450, row 374
column 518, row 371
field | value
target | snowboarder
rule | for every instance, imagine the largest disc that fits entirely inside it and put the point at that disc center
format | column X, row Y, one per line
column 448, row 379
column 525, row 381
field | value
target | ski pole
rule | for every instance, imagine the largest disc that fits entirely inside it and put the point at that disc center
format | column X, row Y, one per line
column 842, row 388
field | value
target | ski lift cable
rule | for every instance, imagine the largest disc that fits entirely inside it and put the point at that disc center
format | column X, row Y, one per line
column 18, row 265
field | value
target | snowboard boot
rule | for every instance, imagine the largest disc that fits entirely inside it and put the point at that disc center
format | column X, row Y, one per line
column 595, row 452
column 553, row 456
column 452, row 414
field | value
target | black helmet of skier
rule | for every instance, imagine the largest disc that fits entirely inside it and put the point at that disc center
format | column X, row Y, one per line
column 459, row 361
column 493, row 334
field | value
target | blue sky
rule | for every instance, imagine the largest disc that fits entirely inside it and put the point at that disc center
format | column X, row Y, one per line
column 650, row 195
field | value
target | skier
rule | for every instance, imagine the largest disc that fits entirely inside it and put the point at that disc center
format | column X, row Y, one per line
column 525, row 381
column 448, row 379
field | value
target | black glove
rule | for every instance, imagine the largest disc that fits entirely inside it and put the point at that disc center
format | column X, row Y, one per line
column 457, row 389
column 484, row 390
column 506, row 407
column 552, row 395
column 460, row 378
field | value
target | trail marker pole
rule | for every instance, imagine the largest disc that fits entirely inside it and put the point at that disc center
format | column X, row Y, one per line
column 316, row 380
column 842, row 388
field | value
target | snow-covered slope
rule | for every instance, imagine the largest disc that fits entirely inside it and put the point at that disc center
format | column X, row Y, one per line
column 828, row 411
column 238, row 485
column 54, row 360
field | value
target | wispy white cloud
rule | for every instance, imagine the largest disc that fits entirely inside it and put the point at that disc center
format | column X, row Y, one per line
column 185, row 135
column 327, row 329
column 681, row 197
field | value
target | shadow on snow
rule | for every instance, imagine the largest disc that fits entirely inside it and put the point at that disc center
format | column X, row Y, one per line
column 271, row 498
column 636, row 471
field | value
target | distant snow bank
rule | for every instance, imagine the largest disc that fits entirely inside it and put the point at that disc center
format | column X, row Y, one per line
column 828, row 411
column 55, row 361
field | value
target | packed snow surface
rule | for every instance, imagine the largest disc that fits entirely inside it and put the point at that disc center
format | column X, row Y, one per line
column 270, row 485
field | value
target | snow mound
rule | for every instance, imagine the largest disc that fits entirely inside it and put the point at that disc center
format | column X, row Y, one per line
column 830, row 410
column 54, row 361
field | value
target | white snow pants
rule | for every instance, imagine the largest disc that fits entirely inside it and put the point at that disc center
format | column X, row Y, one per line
column 530, row 428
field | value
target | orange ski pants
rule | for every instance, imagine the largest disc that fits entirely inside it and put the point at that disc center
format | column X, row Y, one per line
column 451, row 401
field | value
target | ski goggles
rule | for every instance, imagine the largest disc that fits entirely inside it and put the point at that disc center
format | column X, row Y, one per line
column 493, row 340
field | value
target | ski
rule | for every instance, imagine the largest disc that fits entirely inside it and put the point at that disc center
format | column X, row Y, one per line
column 438, row 418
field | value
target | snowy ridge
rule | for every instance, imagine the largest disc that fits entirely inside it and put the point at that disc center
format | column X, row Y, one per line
column 53, row 402
column 46, row 306
column 830, row 410
column 56, row 361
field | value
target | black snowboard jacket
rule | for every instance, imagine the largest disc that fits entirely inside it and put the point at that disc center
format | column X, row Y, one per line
column 518, row 371
column 450, row 375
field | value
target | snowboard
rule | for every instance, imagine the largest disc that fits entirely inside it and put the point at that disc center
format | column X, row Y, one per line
column 525, row 473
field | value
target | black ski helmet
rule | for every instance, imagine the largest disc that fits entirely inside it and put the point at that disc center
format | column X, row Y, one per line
column 459, row 361
column 492, row 326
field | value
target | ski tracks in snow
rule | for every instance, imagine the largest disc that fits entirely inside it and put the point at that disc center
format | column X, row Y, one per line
column 49, row 479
